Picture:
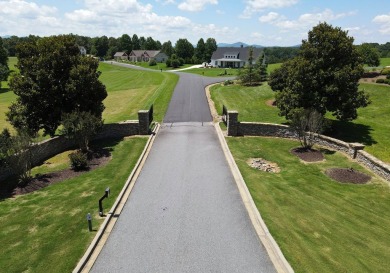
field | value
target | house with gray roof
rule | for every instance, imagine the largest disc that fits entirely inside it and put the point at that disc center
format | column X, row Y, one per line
column 121, row 56
column 147, row 55
column 233, row 57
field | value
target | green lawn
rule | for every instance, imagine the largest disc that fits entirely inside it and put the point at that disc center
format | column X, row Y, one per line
column 158, row 66
column 47, row 231
column 131, row 90
column 321, row 225
column 250, row 102
column 370, row 128
column 6, row 96
column 385, row 62
column 213, row 72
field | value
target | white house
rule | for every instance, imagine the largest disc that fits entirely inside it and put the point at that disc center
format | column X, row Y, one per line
column 234, row 57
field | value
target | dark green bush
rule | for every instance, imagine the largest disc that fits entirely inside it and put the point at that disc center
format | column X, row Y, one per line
column 385, row 71
column 168, row 63
column 78, row 161
column 380, row 81
column 152, row 62
column 175, row 63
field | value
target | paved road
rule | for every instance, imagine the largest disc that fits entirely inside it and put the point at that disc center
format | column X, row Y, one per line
column 185, row 213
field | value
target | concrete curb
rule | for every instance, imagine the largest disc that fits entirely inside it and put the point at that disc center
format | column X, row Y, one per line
column 87, row 261
column 273, row 250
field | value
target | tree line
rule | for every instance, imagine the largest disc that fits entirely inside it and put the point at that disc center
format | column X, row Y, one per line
column 106, row 47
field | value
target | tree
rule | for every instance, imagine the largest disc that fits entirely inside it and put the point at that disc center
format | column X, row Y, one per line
column 184, row 49
column 247, row 75
column 135, row 42
column 307, row 123
column 101, row 45
column 167, row 48
column 4, row 70
column 210, row 47
column 125, row 43
column 150, row 44
column 200, row 51
column 53, row 79
column 142, row 42
column 81, row 127
column 5, row 143
column 370, row 55
column 261, row 68
column 324, row 76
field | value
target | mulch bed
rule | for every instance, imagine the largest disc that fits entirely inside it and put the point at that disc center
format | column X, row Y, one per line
column 98, row 159
column 308, row 155
column 348, row 175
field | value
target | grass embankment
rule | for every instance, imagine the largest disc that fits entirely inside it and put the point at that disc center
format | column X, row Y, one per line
column 370, row 128
column 158, row 66
column 131, row 90
column 321, row 225
column 47, row 231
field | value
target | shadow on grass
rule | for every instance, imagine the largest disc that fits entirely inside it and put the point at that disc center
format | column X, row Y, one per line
column 351, row 132
column 4, row 90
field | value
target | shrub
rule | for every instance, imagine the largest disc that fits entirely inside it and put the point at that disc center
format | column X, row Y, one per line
column 175, row 63
column 168, row 63
column 181, row 60
column 152, row 62
column 380, row 81
column 78, row 161
column 385, row 71
column 228, row 82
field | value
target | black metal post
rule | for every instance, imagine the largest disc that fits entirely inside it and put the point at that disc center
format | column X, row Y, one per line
column 106, row 193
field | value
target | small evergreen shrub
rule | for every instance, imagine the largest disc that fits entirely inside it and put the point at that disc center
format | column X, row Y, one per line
column 152, row 62
column 78, row 161
column 380, row 81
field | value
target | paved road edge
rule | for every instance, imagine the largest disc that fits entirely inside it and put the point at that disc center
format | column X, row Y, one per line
column 273, row 250
column 89, row 257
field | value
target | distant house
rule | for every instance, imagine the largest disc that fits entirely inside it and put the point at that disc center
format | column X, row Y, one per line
column 147, row 55
column 83, row 51
column 234, row 57
column 121, row 56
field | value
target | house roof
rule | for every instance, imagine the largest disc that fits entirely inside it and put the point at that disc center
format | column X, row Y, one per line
column 240, row 52
column 137, row 53
column 120, row 54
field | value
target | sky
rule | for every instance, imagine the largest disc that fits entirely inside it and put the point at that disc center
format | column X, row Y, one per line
column 261, row 22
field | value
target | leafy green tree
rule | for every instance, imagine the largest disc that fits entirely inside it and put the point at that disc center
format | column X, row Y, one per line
column 81, row 127
column 135, row 42
column 101, row 45
column 184, row 49
column 370, row 55
column 142, row 42
column 210, row 47
column 324, row 76
column 5, row 143
column 200, row 51
column 167, row 48
column 4, row 70
column 125, row 43
column 150, row 44
column 53, row 79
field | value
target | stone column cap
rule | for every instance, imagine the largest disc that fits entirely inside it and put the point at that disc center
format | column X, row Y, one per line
column 356, row 146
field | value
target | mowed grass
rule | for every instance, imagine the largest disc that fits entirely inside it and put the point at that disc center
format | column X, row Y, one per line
column 321, row 225
column 47, row 231
column 158, row 66
column 6, row 96
column 131, row 90
column 385, row 62
column 252, row 103
column 213, row 72
column 370, row 128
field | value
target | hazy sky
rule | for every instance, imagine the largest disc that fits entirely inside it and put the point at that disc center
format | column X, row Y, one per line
column 264, row 22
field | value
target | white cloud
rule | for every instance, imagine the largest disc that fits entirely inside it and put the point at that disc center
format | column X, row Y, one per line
column 304, row 22
column 24, row 9
column 384, row 22
column 196, row 5
column 270, row 17
column 253, row 6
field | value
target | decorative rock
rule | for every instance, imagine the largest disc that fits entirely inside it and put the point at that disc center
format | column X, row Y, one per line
column 263, row 165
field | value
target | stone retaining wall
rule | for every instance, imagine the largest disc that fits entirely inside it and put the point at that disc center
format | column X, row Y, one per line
column 51, row 147
column 236, row 128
